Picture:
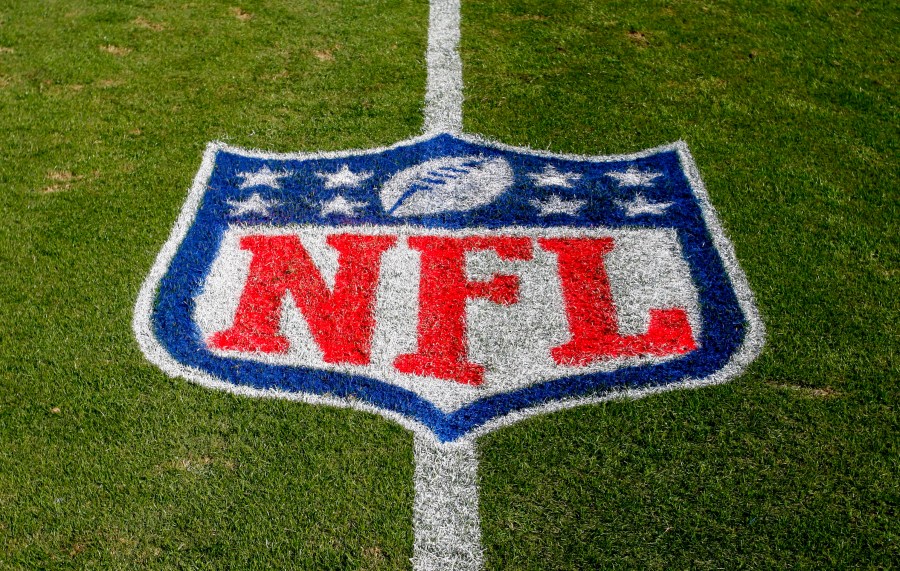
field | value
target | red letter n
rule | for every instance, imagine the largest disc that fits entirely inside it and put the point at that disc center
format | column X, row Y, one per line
column 443, row 292
column 593, row 322
column 341, row 321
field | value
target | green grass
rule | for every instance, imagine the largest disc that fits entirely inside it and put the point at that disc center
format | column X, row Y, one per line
column 791, row 111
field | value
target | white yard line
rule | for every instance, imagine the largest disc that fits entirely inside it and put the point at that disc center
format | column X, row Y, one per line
column 445, row 513
column 446, row 526
column 443, row 91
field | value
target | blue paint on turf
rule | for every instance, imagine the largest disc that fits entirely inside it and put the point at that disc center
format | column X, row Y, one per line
column 723, row 325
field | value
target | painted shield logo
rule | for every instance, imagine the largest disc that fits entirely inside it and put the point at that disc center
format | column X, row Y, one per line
column 447, row 282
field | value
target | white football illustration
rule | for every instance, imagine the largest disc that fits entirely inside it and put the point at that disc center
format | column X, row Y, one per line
column 448, row 184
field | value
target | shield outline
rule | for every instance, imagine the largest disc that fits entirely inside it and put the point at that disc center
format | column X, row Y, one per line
column 157, row 353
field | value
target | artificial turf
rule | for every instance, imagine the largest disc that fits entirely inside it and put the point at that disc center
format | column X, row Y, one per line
column 791, row 112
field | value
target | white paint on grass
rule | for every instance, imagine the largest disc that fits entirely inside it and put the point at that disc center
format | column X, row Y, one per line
column 447, row 184
column 445, row 508
column 262, row 177
column 444, row 87
column 634, row 177
column 557, row 205
column 640, row 205
column 342, row 206
column 344, row 177
column 253, row 205
column 552, row 177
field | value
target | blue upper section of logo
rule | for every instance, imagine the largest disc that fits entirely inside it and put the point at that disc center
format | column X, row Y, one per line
column 304, row 189
column 452, row 183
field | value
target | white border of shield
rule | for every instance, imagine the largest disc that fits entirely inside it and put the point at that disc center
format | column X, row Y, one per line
column 159, row 356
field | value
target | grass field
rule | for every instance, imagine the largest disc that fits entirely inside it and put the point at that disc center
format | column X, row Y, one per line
column 790, row 109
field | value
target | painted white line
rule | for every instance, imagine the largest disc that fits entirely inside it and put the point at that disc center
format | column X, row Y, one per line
column 445, row 513
column 444, row 88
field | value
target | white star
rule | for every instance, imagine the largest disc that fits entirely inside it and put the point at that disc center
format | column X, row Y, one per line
column 262, row 177
column 556, row 205
column 340, row 205
column 552, row 177
column 255, row 204
column 639, row 205
column 343, row 177
column 634, row 177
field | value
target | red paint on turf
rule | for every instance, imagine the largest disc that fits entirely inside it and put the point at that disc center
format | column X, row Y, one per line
column 591, row 313
column 341, row 322
column 443, row 292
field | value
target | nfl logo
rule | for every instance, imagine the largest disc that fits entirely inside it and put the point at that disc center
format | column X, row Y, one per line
column 447, row 282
